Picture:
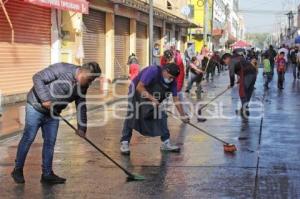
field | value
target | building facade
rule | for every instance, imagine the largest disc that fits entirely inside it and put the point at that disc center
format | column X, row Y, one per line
column 228, row 25
column 203, row 17
column 34, row 36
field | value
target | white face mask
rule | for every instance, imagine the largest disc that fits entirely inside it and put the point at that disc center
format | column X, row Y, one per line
column 167, row 81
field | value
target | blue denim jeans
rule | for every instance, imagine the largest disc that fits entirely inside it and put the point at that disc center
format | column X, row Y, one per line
column 35, row 120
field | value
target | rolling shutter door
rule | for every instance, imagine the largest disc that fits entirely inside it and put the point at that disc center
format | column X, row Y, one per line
column 31, row 51
column 122, row 32
column 141, row 44
column 94, row 38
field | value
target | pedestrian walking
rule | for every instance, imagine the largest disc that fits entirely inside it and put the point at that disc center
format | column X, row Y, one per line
column 285, row 50
column 294, row 61
column 145, row 115
column 53, row 89
column 156, row 54
column 267, row 70
column 134, row 67
column 272, row 55
column 298, row 64
column 188, row 54
column 281, row 68
column 253, row 61
column 217, row 61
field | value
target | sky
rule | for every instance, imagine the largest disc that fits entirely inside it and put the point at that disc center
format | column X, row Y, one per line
column 259, row 22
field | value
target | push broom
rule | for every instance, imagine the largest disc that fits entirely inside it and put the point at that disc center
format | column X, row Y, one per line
column 229, row 148
column 130, row 176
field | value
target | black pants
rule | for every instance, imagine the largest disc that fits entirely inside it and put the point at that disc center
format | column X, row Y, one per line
column 232, row 79
column 280, row 79
column 249, row 82
column 272, row 68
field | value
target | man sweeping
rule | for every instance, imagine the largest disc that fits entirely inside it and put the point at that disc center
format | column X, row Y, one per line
column 144, row 114
column 53, row 89
column 247, row 73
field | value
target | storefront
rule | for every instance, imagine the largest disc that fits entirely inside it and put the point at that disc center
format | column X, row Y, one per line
column 94, row 37
column 157, row 35
column 141, row 44
column 28, row 33
column 25, row 45
column 122, row 46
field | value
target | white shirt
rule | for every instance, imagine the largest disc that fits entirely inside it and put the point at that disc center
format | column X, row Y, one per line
column 286, row 53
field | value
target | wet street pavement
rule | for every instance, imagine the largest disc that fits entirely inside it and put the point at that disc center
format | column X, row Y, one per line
column 266, row 165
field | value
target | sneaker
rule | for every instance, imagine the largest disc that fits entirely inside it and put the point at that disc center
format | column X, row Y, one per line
column 52, row 179
column 17, row 175
column 125, row 150
column 168, row 147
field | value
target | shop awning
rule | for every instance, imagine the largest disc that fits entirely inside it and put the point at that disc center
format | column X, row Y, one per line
column 80, row 6
column 240, row 44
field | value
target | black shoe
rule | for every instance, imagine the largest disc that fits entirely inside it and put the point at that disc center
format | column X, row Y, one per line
column 187, row 91
column 52, row 179
column 201, row 119
column 266, row 87
column 17, row 175
column 247, row 113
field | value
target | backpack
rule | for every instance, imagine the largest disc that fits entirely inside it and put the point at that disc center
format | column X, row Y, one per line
column 294, row 57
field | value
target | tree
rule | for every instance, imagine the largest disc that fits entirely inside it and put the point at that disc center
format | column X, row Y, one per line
column 257, row 39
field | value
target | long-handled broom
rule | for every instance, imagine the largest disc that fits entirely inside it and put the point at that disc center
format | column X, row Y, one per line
column 230, row 148
column 130, row 176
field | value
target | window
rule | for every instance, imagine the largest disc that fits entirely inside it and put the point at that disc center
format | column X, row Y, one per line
column 169, row 5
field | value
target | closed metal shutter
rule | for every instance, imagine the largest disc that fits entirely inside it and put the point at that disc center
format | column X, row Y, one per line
column 141, row 44
column 122, row 31
column 31, row 51
column 94, row 37
column 156, row 35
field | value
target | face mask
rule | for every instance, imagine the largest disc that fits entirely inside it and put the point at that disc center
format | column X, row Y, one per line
column 167, row 81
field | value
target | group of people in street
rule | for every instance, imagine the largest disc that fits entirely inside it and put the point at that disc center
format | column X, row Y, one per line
column 283, row 58
column 60, row 84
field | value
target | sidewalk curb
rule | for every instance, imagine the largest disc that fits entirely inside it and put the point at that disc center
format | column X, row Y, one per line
column 107, row 103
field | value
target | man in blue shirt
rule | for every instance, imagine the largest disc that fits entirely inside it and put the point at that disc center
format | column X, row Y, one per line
column 146, row 93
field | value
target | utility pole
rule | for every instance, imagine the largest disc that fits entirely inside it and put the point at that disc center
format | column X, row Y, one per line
column 205, row 21
column 291, row 19
column 150, row 31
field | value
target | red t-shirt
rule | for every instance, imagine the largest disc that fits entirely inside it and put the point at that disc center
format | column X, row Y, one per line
column 179, row 62
column 134, row 70
column 281, row 64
